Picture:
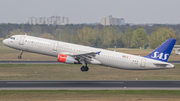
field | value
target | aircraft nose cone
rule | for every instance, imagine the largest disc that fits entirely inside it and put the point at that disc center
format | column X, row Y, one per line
column 5, row 41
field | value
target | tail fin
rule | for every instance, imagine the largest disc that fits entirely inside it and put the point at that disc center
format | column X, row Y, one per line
column 163, row 52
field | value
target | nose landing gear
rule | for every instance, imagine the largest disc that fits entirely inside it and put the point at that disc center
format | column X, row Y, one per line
column 19, row 57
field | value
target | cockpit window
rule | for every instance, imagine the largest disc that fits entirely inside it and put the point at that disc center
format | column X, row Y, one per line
column 12, row 38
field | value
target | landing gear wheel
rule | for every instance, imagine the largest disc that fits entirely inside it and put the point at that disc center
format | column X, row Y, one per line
column 19, row 57
column 84, row 68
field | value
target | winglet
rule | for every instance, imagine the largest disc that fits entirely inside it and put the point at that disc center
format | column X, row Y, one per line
column 98, row 52
column 163, row 52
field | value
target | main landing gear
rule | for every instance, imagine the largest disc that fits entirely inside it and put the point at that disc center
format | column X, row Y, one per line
column 19, row 57
column 84, row 68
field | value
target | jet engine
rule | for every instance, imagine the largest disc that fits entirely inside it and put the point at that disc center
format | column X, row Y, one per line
column 67, row 59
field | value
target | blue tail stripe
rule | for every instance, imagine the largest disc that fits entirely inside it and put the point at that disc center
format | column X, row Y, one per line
column 163, row 52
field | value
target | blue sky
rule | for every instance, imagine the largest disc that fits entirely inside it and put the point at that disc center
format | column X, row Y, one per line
column 90, row 11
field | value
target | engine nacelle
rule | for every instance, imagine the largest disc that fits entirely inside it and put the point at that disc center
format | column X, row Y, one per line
column 67, row 59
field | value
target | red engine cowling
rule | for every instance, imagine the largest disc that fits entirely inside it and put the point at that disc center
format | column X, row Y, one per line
column 66, row 59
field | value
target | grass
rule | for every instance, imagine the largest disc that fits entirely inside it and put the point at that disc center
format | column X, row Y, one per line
column 100, row 95
column 72, row 72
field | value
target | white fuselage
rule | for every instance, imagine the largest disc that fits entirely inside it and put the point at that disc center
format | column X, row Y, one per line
column 106, row 57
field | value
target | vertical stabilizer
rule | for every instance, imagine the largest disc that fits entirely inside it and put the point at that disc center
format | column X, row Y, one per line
column 163, row 52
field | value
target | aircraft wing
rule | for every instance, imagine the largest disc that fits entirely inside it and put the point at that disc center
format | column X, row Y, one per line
column 87, row 57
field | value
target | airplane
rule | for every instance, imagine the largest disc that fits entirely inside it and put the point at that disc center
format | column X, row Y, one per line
column 78, row 54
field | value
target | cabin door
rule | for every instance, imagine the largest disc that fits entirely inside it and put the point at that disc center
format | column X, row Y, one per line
column 143, row 62
column 21, row 41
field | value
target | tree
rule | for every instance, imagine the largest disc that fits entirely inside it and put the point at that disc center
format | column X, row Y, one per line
column 65, row 37
column 119, row 43
column 58, row 34
column 139, row 38
column 15, row 32
column 37, row 30
column 95, row 39
column 172, row 33
column 158, row 36
column 98, row 43
column 177, row 36
column 1, row 39
column 107, row 35
column 73, row 38
column 3, row 32
column 84, row 35
column 46, row 35
column 127, row 36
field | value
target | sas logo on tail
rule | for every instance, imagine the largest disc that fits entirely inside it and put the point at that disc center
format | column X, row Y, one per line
column 160, row 55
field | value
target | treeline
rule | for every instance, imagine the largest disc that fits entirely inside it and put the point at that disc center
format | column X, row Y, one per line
column 98, row 35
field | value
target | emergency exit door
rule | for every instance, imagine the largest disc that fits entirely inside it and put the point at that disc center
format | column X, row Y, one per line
column 55, row 46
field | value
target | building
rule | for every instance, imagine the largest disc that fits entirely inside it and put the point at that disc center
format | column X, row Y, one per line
column 53, row 20
column 103, row 21
column 34, row 21
column 39, row 20
column 176, row 49
column 109, row 20
column 65, row 20
column 120, row 21
column 28, row 20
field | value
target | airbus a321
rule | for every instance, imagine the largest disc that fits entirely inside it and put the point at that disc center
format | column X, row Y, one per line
column 78, row 54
